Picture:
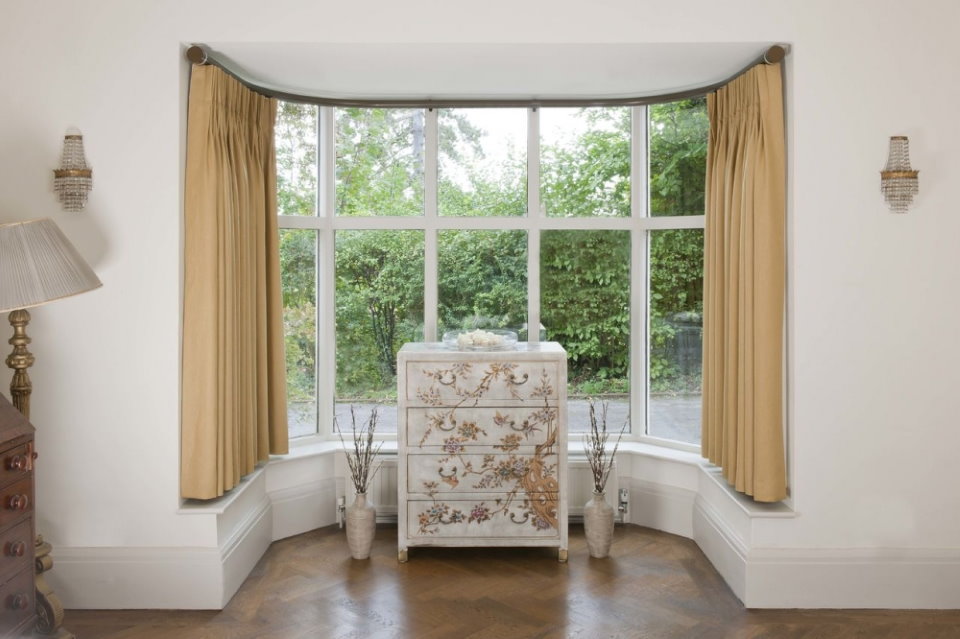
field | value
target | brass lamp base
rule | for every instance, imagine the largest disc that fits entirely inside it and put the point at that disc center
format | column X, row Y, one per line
column 49, row 608
column 20, row 360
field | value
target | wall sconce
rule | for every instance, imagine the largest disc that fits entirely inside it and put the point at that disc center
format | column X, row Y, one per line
column 898, row 182
column 74, row 179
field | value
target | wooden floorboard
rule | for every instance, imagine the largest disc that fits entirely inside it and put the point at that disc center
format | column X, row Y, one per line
column 653, row 585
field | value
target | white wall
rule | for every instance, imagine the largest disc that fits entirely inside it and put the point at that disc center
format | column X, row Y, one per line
column 873, row 400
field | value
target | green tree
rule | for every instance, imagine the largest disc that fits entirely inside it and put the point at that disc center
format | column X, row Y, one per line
column 678, row 156
column 585, row 300
column 482, row 279
column 296, row 145
column 298, row 265
column 379, row 161
column 678, row 150
column 296, row 136
column 379, row 158
column 590, row 177
column 585, row 284
column 469, row 184
column 379, row 303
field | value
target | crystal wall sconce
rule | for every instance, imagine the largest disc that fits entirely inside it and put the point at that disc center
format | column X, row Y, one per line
column 898, row 182
column 74, row 179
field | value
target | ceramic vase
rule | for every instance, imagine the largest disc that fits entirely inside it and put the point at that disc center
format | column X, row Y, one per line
column 361, row 525
column 598, row 525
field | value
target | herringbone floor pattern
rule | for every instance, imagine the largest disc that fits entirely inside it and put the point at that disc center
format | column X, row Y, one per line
column 654, row 585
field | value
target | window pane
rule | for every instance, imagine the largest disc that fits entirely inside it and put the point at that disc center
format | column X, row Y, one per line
column 296, row 142
column 585, row 161
column 482, row 165
column 678, row 157
column 676, row 334
column 379, row 161
column 298, row 266
column 585, row 305
column 482, row 280
column 379, row 307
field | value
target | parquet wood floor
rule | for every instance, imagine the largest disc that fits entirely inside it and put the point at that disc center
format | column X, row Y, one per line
column 655, row 585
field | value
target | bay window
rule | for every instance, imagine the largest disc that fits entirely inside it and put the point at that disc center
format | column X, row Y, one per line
column 577, row 225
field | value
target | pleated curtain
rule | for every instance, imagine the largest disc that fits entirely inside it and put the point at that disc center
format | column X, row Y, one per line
column 233, row 411
column 744, row 272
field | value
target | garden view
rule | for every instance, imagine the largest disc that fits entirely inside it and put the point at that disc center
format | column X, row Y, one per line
column 585, row 172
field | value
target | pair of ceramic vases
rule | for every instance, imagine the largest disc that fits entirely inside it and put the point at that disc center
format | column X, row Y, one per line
column 361, row 519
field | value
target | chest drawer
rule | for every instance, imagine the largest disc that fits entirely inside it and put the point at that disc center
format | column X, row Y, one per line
column 526, row 516
column 503, row 427
column 15, row 500
column 531, row 472
column 17, row 599
column 15, row 545
column 16, row 463
column 459, row 383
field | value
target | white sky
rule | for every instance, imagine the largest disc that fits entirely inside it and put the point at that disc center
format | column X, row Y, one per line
column 507, row 128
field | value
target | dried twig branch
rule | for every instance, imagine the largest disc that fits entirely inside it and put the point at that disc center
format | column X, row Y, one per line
column 595, row 446
column 364, row 453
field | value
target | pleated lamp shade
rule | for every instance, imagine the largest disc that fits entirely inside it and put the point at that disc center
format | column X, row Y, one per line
column 38, row 264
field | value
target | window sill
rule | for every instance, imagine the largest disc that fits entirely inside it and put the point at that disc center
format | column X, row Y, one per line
column 750, row 508
column 317, row 446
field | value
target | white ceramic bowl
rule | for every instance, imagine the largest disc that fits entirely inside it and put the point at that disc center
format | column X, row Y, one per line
column 494, row 339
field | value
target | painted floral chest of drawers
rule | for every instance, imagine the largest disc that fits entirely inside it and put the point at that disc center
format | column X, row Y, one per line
column 482, row 447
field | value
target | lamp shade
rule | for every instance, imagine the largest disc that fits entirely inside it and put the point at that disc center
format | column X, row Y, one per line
column 38, row 264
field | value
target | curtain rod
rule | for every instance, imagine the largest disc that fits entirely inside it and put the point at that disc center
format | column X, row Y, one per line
column 201, row 54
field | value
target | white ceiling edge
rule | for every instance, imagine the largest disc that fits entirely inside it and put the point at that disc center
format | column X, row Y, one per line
column 523, row 71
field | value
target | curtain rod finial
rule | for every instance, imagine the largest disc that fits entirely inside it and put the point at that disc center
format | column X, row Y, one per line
column 197, row 54
column 774, row 54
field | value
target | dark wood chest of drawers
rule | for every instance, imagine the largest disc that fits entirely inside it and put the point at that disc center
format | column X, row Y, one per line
column 17, row 591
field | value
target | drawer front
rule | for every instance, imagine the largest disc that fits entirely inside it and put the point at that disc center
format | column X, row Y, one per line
column 17, row 599
column 15, row 500
column 465, row 383
column 525, row 516
column 16, row 547
column 16, row 463
column 503, row 427
column 533, row 472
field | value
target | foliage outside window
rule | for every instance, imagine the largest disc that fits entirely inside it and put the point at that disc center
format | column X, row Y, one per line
column 470, row 226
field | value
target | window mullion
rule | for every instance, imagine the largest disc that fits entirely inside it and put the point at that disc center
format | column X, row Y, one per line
column 639, row 285
column 430, row 213
column 326, row 356
column 535, row 217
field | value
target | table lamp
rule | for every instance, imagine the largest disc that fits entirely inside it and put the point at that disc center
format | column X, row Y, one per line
column 37, row 265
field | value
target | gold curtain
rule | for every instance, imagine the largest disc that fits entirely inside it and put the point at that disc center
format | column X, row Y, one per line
column 233, row 411
column 744, row 284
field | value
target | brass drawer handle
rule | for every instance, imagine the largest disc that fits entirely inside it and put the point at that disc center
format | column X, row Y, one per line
column 17, row 463
column 18, row 602
column 15, row 549
column 18, row 502
column 517, row 380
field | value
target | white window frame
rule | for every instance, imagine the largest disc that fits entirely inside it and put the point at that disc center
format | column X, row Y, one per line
column 639, row 223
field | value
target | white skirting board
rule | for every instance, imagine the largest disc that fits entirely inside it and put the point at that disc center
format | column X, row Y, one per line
column 301, row 508
column 173, row 578
column 661, row 507
column 207, row 577
column 899, row 578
